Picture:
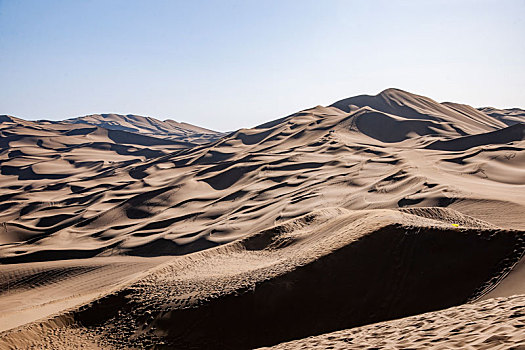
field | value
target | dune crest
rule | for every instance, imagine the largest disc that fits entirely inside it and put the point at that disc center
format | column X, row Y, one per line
column 125, row 231
column 170, row 129
column 371, row 265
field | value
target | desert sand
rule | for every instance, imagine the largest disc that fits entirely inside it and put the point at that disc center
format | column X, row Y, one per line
column 392, row 220
column 186, row 133
column 492, row 324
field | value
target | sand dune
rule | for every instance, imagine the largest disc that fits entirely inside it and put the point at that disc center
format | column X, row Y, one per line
column 510, row 116
column 33, row 291
column 182, row 132
column 206, row 195
column 411, row 106
column 378, row 207
column 492, row 324
column 327, row 270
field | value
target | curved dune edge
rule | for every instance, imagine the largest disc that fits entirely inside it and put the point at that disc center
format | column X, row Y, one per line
column 34, row 291
column 328, row 270
column 100, row 191
column 491, row 324
column 75, row 191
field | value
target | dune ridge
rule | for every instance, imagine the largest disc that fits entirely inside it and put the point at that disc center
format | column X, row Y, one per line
column 378, row 207
column 198, row 197
column 178, row 131
column 267, row 281
column 492, row 324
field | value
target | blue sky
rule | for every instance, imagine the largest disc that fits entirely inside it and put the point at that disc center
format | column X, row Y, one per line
column 231, row 64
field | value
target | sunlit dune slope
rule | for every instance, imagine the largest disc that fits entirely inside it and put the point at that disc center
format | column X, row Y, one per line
column 324, row 271
column 186, row 133
column 115, row 232
column 62, row 201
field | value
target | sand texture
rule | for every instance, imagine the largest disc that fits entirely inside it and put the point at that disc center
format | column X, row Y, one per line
column 186, row 133
column 128, row 232
column 492, row 324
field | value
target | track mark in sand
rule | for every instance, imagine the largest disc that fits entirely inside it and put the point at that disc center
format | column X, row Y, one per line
column 323, row 157
column 278, row 279
column 36, row 290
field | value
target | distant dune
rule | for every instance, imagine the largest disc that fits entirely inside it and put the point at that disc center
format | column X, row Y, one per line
column 126, row 231
column 170, row 129
column 508, row 116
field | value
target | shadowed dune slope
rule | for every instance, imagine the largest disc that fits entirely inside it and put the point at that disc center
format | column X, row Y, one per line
column 328, row 270
column 509, row 116
column 427, row 212
column 181, row 132
column 412, row 106
column 33, row 291
column 503, row 136
column 88, row 194
column 491, row 324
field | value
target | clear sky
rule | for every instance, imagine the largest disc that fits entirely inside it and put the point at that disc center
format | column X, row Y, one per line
column 231, row 64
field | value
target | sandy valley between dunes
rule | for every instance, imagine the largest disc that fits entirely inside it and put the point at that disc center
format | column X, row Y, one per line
column 388, row 221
